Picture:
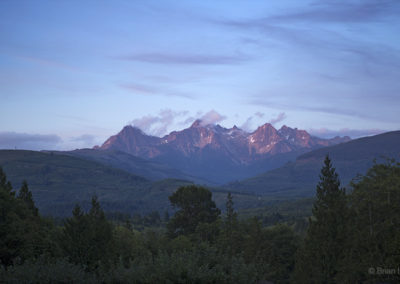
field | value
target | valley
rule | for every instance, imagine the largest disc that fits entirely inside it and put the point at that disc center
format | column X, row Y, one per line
column 132, row 184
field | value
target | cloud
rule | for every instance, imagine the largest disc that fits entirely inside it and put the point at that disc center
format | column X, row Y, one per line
column 343, row 11
column 334, row 110
column 259, row 114
column 150, row 90
column 158, row 125
column 86, row 139
column 186, row 59
column 81, row 141
column 211, row 117
column 139, row 88
column 247, row 125
column 13, row 140
column 282, row 116
column 353, row 133
column 187, row 121
column 312, row 33
column 167, row 120
column 44, row 62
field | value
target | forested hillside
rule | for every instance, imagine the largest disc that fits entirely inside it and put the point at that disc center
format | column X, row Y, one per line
column 350, row 238
column 58, row 181
column 297, row 179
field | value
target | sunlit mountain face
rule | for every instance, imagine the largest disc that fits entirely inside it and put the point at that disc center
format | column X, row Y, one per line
column 211, row 149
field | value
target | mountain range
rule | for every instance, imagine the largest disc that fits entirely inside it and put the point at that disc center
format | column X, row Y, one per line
column 217, row 154
column 126, row 183
column 299, row 178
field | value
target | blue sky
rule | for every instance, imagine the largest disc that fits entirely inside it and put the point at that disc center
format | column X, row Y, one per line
column 73, row 73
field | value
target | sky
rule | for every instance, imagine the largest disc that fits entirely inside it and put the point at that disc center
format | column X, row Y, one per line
column 73, row 73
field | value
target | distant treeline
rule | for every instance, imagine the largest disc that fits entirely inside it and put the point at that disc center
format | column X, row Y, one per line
column 350, row 238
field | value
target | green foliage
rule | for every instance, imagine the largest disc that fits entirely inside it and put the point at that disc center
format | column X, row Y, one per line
column 231, row 215
column 357, row 242
column 4, row 183
column 129, row 246
column 132, row 164
column 294, row 213
column 43, row 270
column 199, row 265
column 346, row 237
column 277, row 253
column 318, row 261
column 59, row 181
column 195, row 207
column 374, row 239
column 297, row 179
column 231, row 235
column 23, row 234
column 87, row 238
column 26, row 196
column 88, row 249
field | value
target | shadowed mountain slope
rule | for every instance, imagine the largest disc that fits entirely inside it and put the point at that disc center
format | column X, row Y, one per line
column 299, row 178
column 218, row 154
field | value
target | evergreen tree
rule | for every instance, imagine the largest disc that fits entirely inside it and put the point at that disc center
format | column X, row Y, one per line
column 101, row 236
column 374, row 238
column 73, row 240
column 318, row 260
column 87, row 238
column 25, row 195
column 231, row 233
column 11, row 223
column 4, row 184
column 231, row 215
column 22, row 232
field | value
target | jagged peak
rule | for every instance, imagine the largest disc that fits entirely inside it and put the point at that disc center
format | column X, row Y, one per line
column 198, row 123
column 130, row 127
column 265, row 126
column 285, row 127
column 219, row 127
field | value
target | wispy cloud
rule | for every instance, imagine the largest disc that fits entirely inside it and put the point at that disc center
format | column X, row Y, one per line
column 248, row 124
column 212, row 117
column 259, row 114
column 281, row 116
column 86, row 140
column 311, row 33
column 140, row 88
column 319, row 108
column 353, row 133
column 150, row 90
column 343, row 11
column 45, row 62
column 14, row 140
column 186, row 59
column 158, row 125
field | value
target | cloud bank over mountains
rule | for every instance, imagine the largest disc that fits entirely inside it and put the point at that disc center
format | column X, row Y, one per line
column 353, row 133
column 13, row 140
column 159, row 125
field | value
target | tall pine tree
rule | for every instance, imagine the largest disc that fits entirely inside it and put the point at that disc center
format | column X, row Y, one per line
column 318, row 260
column 25, row 195
column 22, row 234
column 374, row 238
column 231, row 227
column 87, row 238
